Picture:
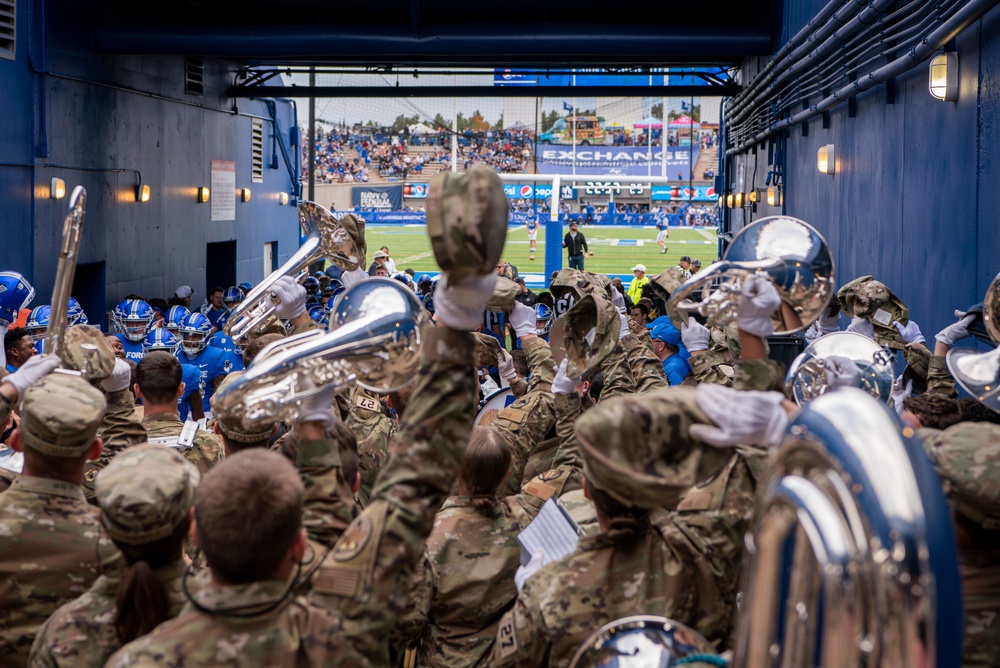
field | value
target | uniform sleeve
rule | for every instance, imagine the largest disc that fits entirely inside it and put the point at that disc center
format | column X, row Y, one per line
column 540, row 363
column 618, row 378
column 647, row 371
column 939, row 378
column 519, row 387
column 329, row 503
column 568, row 408
column 521, row 640
column 121, row 427
column 366, row 576
column 711, row 367
column 411, row 623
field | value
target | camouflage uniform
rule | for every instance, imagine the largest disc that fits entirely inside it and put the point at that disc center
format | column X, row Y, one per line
column 144, row 494
column 464, row 583
column 205, row 452
column 967, row 456
column 647, row 370
column 528, row 420
column 365, row 576
column 120, row 429
column 711, row 366
column 617, row 370
column 50, row 537
column 939, row 378
column 373, row 429
column 639, row 451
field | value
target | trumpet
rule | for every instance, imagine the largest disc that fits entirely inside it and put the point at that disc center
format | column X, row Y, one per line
column 68, row 254
column 327, row 240
column 979, row 373
column 788, row 252
column 376, row 344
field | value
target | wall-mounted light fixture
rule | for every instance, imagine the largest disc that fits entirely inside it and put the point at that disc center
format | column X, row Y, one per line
column 203, row 194
column 142, row 193
column 57, row 188
column 826, row 159
column 942, row 80
column 774, row 196
column 752, row 196
column 282, row 198
column 739, row 200
column 722, row 201
column 245, row 194
column 729, row 200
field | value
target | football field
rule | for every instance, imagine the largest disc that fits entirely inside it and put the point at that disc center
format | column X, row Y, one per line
column 616, row 249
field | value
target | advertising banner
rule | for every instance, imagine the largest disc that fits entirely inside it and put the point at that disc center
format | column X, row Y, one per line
column 377, row 198
column 617, row 160
column 536, row 191
column 698, row 193
column 416, row 190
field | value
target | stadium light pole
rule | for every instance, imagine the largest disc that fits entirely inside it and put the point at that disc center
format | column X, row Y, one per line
column 454, row 134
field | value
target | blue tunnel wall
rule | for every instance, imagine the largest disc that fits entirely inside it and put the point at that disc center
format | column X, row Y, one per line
column 915, row 198
column 66, row 112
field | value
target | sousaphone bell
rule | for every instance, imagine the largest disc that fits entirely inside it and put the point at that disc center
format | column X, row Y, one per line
column 979, row 373
column 806, row 378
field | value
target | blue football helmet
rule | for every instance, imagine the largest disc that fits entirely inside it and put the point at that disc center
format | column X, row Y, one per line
column 312, row 288
column 38, row 322
column 403, row 278
column 318, row 314
column 543, row 319
column 245, row 287
column 232, row 296
column 132, row 319
column 194, row 332
column 175, row 316
column 15, row 294
column 160, row 339
column 425, row 278
column 75, row 314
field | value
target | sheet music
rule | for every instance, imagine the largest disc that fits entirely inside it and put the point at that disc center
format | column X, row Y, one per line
column 552, row 530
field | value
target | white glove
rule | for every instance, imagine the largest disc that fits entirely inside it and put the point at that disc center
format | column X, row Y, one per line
column 957, row 331
column 461, row 305
column 291, row 298
column 3, row 352
column 813, row 332
column 352, row 278
column 862, row 326
column 910, row 332
column 695, row 336
column 524, row 572
column 33, row 370
column 617, row 300
column 119, row 378
column 741, row 418
column 317, row 408
column 842, row 372
column 828, row 324
column 757, row 301
column 522, row 319
column 623, row 329
column 899, row 393
column 563, row 383
column 506, row 366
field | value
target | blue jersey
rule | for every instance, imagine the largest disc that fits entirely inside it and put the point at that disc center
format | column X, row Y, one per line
column 223, row 342
column 676, row 368
column 191, row 376
column 212, row 363
column 216, row 316
column 532, row 224
column 133, row 349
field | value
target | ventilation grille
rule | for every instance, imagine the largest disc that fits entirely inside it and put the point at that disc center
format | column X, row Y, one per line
column 8, row 24
column 257, row 150
column 194, row 75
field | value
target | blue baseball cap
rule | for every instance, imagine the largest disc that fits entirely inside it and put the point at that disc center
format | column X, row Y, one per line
column 663, row 329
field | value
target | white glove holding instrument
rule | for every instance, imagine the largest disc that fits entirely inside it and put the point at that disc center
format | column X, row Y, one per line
column 899, row 393
column 910, row 332
column 841, row 372
column 506, row 366
column 741, row 418
column 291, row 296
column 758, row 300
column 623, row 329
column 563, row 383
column 352, row 278
column 522, row 573
column 33, row 370
column 460, row 305
column 318, row 408
column 862, row 326
column 957, row 331
column 119, row 378
column 617, row 300
column 522, row 319
column 695, row 336
column 829, row 320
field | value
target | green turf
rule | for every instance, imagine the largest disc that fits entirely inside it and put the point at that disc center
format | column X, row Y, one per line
column 410, row 247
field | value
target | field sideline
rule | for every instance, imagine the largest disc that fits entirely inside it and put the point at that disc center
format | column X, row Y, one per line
column 616, row 249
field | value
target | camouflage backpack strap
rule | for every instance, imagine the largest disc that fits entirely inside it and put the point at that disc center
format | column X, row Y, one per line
column 347, row 570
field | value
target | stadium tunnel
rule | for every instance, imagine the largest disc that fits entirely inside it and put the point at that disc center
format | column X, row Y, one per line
column 116, row 96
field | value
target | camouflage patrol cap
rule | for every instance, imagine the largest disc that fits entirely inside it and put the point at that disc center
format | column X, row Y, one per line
column 145, row 493
column 487, row 350
column 864, row 297
column 586, row 334
column 61, row 415
column 602, row 282
column 666, row 282
column 967, row 456
column 502, row 299
column 572, row 281
column 232, row 426
column 635, row 450
column 86, row 349
column 467, row 220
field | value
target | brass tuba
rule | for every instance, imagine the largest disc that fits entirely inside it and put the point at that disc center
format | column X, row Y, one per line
column 806, row 378
column 852, row 559
column 788, row 252
column 374, row 341
column 979, row 373
column 327, row 240
column 65, row 272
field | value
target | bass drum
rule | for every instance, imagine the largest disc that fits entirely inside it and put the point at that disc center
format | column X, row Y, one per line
column 852, row 558
column 499, row 400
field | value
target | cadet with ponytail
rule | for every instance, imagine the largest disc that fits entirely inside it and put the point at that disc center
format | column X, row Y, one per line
column 145, row 495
